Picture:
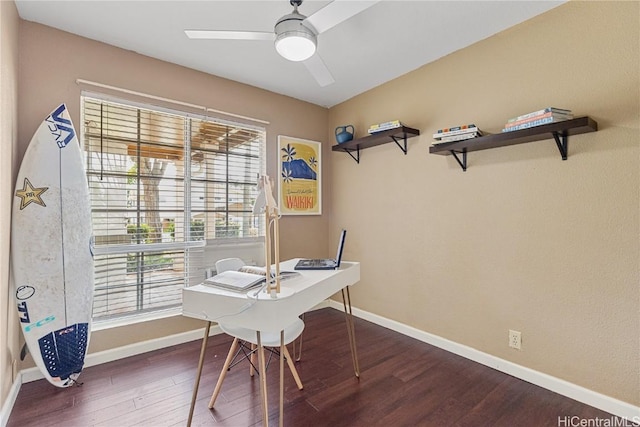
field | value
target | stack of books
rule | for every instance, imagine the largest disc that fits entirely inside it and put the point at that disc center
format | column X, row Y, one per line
column 537, row 118
column 385, row 126
column 456, row 133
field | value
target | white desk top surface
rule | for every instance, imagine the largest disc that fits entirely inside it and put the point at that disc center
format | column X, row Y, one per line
column 264, row 313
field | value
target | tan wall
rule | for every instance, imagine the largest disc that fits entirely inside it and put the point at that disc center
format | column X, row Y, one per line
column 52, row 60
column 521, row 240
column 9, row 333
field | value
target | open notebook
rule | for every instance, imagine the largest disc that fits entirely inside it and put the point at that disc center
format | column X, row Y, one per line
column 324, row 264
column 233, row 280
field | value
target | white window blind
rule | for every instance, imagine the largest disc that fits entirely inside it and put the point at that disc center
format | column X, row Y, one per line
column 162, row 184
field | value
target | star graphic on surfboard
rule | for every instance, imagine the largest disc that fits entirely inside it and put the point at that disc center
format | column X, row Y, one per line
column 29, row 194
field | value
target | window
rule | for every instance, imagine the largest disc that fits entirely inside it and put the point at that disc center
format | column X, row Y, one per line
column 163, row 184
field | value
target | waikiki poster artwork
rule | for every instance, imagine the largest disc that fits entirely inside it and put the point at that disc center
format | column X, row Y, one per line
column 300, row 185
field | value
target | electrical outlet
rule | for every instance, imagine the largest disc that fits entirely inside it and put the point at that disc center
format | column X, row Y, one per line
column 515, row 339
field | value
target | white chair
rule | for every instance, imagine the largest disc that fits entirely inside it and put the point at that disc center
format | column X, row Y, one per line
column 269, row 339
column 229, row 264
column 241, row 336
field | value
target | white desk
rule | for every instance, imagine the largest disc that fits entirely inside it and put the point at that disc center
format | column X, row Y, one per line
column 297, row 296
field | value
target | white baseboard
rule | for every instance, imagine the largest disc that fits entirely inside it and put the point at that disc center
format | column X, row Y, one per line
column 7, row 407
column 557, row 385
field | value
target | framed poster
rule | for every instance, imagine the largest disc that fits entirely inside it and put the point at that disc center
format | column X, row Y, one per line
column 299, row 189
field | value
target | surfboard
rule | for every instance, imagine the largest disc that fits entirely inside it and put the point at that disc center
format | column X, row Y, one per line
column 51, row 243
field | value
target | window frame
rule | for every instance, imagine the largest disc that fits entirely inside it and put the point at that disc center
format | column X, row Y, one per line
column 188, row 118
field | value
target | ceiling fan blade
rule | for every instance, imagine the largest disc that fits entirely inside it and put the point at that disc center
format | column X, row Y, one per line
column 336, row 12
column 319, row 70
column 229, row 35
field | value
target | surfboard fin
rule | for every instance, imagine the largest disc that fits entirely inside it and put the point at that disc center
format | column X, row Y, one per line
column 24, row 351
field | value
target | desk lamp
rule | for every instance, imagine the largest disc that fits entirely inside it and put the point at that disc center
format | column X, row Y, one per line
column 265, row 203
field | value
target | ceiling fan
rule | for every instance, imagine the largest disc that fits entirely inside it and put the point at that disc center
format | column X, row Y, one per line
column 295, row 35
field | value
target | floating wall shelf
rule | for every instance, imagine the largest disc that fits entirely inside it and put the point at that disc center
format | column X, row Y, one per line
column 559, row 131
column 397, row 135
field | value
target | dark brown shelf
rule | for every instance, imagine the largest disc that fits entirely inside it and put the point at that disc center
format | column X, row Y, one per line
column 559, row 131
column 396, row 135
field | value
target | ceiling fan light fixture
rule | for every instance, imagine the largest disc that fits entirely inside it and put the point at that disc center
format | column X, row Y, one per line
column 296, row 46
column 294, row 41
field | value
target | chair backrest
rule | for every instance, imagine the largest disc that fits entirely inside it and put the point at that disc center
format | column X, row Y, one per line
column 228, row 264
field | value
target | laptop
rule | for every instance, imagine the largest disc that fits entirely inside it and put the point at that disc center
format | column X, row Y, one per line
column 323, row 264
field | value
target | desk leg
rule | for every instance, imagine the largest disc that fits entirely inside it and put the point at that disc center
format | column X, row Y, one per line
column 346, row 302
column 203, row 350
column 263, row 381
column 281, row 415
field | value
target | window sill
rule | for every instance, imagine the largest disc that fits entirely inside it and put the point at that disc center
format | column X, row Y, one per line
column 101, row 325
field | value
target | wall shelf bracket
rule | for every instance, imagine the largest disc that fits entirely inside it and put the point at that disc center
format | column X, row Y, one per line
column 403, row 148
column 357, row 156
column 463, row 163
column 562, row 141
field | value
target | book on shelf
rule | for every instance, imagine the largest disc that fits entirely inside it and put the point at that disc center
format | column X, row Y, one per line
column 389, row 123
column 379, row 127
column 541, row 112
column 461, row 137
column 534, row 123
column 541, row 116
column 457, row 130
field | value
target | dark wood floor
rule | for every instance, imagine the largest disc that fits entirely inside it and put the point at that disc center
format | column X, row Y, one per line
column 403, row 382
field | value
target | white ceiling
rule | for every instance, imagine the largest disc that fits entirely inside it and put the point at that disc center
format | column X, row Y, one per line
column 381, row 43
